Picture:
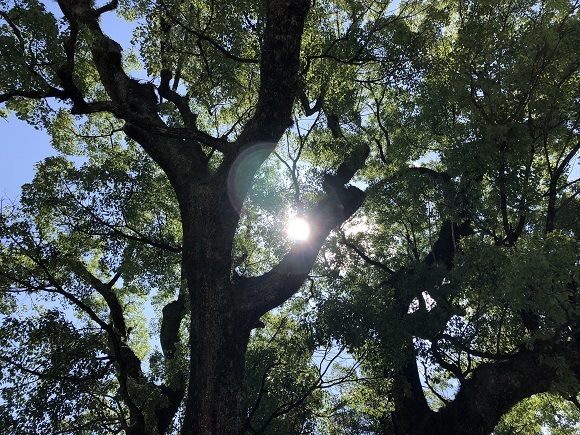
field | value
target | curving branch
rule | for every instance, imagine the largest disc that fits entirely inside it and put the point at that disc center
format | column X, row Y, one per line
column 182, row 104
column 35, row 95
column 494, row 388
column 268, row 291
column 364, row 256
column 173, row 387
column 112, row 301
column 134, row 102
column 309, row 111
column 263, row 293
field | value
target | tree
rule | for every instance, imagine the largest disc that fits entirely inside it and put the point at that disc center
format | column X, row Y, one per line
column 471, row 285
column 81, row 233
column 461, row 120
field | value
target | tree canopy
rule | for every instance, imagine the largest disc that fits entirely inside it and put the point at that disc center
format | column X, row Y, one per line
column 148, row 283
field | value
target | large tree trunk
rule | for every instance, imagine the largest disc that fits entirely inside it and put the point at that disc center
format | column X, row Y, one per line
column 216, row 398
column 216, row 401
column 223, row 306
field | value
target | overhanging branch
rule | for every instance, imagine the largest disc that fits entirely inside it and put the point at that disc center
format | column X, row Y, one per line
column 265, row 292
column 33, row 94
column 495, row 387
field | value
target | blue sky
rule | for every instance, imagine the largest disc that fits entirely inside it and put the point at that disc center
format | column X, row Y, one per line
column 21, row 147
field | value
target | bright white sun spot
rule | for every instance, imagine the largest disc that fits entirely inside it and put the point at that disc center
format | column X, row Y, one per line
column 298, row 229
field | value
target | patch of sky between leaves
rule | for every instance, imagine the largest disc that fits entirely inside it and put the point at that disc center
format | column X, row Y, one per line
column 22, row 145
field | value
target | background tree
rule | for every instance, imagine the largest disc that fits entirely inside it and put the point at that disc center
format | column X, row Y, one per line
column 470, row 291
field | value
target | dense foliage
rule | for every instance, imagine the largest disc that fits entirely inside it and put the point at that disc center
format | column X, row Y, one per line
column 147, row 280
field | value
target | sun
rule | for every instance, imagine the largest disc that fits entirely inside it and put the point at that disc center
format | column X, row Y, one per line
column 298, row 229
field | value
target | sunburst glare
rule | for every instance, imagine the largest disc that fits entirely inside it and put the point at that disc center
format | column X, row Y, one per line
column 298, row 229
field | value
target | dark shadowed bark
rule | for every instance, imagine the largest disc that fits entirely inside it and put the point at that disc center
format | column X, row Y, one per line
column 491, row 389
column 490, row 392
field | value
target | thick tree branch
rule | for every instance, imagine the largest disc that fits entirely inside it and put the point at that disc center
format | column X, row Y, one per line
column 495, row 387
column 263, row 293
column 115, row 308
column 279, row 63
column 47, row 93
column 129, row 366
column 173, row 387
column 219, row 143
column 182, row 104
column 135, row 102
column 411, row 409
column 173, row 314
column 309, row 111
column 111, row 6
column 444, row 249
column 268, row 291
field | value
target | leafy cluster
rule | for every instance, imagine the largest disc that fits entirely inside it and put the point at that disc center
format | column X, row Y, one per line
column 146, row 266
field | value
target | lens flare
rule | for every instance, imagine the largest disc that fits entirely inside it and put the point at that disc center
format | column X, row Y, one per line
column 243, row 169
column 298, row 230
